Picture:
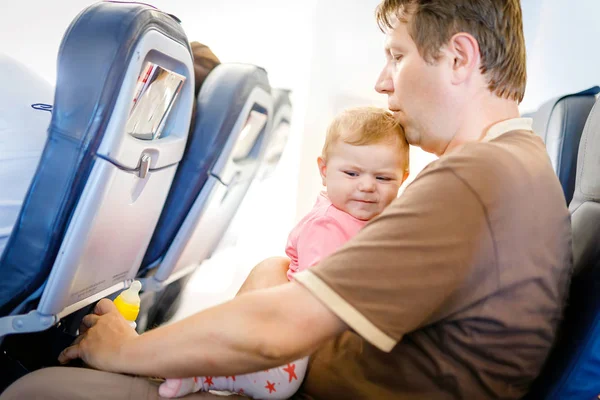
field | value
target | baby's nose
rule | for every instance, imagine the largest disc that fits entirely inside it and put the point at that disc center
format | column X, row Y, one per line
column 366, row 184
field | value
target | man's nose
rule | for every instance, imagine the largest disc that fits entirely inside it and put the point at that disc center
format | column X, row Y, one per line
column 384, row 84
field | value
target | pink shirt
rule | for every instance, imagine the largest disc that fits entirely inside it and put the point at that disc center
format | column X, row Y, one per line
column 321, row 232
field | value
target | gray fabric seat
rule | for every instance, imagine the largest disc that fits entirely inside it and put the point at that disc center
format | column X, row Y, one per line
column 560, row 123
column 573, row 368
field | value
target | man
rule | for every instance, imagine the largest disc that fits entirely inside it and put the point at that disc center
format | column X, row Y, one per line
column 454, row 292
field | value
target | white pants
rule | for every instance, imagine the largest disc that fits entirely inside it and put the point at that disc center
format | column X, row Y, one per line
column 276, row 383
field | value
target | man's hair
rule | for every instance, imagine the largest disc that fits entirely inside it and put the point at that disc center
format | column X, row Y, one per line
column 363, row 126
column 496, row 25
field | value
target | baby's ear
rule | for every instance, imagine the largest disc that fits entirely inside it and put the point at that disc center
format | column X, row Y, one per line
column 322, row 169
column 405, row 176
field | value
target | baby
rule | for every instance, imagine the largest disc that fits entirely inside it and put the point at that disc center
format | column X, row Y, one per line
column 363, row 163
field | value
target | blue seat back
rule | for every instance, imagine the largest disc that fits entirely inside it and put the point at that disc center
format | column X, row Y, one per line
column 87, row 217
column 560, row 123
column 573, row 369
column 228, row 98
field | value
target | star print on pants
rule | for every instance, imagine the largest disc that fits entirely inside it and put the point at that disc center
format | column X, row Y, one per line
column 209, row 381
column 271, row 387
column 291, row 370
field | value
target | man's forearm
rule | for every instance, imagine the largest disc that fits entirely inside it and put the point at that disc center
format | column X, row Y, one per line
column 256, row 331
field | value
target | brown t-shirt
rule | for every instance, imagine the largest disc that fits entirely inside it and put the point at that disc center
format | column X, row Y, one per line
column 456, row 290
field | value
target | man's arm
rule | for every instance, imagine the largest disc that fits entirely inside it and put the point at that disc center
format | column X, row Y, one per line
column 253, row 332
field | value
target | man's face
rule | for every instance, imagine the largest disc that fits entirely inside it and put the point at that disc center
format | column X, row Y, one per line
column 420, row 94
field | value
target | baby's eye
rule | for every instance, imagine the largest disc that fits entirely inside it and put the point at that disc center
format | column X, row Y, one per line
column 384, row 178
column 351, row 173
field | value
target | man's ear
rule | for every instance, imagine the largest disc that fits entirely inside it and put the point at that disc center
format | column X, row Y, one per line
column 464, row 54
column 322, row 169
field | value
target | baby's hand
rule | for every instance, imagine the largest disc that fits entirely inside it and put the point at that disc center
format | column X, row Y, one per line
column 172, row 388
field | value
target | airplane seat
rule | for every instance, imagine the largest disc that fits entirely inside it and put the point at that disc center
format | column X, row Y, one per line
column 572, row 370
column 279, row 134
column 560, row 123
column 98, row 191
column 233, row 115
column 276, row 145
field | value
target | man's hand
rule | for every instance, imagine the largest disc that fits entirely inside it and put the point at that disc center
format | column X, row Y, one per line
column 102, row 337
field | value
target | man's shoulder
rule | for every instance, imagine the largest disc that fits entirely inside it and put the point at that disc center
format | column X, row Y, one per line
column 524, row 146
column 511, row 170
column 508, row 159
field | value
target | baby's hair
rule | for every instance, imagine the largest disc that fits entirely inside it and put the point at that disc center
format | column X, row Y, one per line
column 363, row 126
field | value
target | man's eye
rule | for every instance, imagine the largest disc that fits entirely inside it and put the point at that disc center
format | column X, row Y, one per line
column 351, row 173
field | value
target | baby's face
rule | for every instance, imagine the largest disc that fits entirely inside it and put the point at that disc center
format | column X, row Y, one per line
column 362, row 180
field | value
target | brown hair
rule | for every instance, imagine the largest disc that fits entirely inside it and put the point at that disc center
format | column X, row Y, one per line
column 496, row 25
column 204, row 62
column 363, row 126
